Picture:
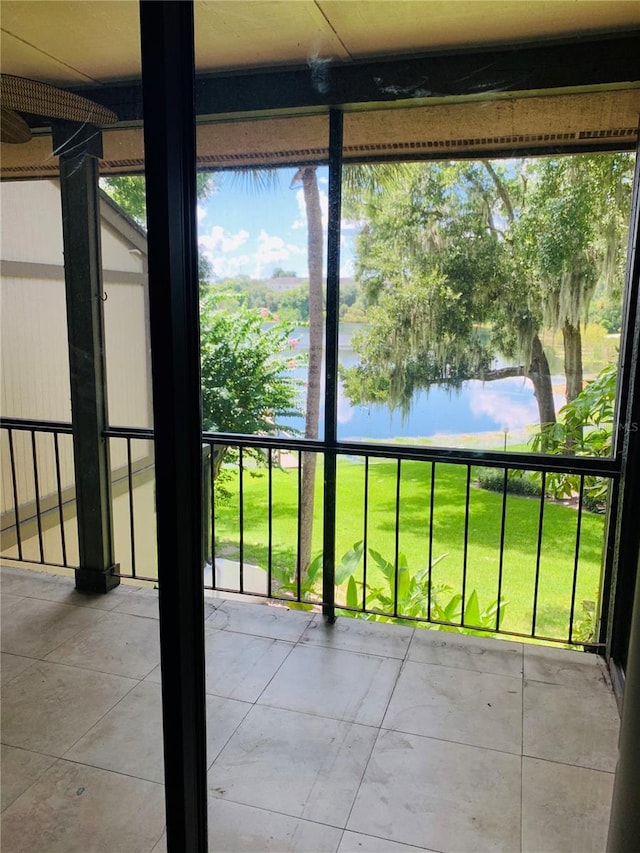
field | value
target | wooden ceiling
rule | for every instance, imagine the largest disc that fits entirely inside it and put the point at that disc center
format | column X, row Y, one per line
column 80, row 42
column 95, row 43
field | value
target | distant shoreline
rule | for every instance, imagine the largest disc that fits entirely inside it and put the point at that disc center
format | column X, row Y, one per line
column 488, row 440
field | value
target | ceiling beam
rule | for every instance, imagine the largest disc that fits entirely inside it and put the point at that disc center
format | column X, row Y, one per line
column 604, row 61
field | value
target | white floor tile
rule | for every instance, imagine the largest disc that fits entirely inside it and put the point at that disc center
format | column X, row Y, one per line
column 32, row 627
column 20, row 769
column 129, row 738
column 479, row 654
column 12, row 665
column 119, row 644
column 55, row 587
column 334, row 683
column 564, row 666
column 48, row 707
column 75, row 809
column 243, row 829
column 260, row 620
column 477, row 708
column 443, row 796
column 356, row 842
column 571, row 725
column 360, row 635
column 240, row 666
column 296, row 764
column 564, row 809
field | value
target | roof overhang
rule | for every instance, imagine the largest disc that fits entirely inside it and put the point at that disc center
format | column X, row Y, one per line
column 580, row 94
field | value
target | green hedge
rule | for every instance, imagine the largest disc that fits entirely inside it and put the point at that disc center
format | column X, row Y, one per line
column 518, row 483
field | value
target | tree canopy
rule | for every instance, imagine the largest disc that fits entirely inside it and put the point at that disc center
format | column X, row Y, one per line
column 463, row 261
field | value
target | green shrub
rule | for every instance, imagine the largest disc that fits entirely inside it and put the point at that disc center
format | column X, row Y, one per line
column 518, row 483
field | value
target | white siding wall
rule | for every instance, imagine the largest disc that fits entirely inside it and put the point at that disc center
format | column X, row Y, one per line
column 34, row 348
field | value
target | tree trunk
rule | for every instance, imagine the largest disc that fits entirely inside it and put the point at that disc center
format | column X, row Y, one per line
column 314, row 370
column 572, row 360
column 540, row 376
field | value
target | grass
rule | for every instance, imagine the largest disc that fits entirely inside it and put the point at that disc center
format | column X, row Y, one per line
column 519, row 564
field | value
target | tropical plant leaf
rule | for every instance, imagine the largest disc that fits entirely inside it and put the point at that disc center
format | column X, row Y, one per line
column 472, row 611
column 403, row 578
column 385, row 565
column 352, row 593
column 349, row 563
column 314, row 567
column 450, row 610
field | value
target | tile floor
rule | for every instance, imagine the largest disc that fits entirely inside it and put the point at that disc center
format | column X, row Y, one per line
column 357, row 737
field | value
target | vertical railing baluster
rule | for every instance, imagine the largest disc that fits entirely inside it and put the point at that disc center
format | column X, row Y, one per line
column 538, row 553
column 576, row 560
column 502, row 534
column 365, row 533
column 465, row 553
column 430, row 573
column 132, row 533
column 397, row 542
column 63, row 541
column 241, row 515
column 14, row 485
column 270, row 526
column 299, row 544
column 213, row 514
column 36, row 483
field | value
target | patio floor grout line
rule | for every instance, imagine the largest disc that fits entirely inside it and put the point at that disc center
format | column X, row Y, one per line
column 595, row 683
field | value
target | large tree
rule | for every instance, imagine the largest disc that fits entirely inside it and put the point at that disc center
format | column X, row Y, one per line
column 572, row 233
column 456, row 269
column 438, row 270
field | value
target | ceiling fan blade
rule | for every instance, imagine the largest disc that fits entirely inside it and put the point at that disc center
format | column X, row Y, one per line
column 13, row 129
column 41, row 99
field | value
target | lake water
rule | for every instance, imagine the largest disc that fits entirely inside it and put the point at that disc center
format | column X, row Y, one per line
column 485, row 409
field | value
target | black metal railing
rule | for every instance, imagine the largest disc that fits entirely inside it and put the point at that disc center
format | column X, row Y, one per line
column 37, row 503
column 252, row 534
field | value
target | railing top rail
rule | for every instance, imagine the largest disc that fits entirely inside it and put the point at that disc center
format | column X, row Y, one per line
column 588, row 466
column 36, row 426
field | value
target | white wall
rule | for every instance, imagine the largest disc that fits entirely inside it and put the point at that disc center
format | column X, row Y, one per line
column 33, row 335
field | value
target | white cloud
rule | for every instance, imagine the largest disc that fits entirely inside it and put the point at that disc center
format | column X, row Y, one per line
column 497, row 402
column 226, row 266
column 219, row 241
column 272, row 250
column 201, row 212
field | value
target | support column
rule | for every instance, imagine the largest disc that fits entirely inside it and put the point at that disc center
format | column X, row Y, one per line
column 624, row 824
column 331, row 365
column 168, row 75
column 79, row 147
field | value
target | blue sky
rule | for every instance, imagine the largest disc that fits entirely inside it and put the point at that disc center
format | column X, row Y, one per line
column 244, row 231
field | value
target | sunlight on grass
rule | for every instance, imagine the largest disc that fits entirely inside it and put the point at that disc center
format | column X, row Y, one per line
column 557, row 553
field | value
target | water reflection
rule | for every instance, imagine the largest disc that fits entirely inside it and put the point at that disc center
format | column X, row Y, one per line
column 478, row 413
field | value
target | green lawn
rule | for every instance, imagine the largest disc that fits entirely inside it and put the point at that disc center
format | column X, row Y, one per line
column 521, row 532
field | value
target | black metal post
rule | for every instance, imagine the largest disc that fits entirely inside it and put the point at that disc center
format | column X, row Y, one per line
column 79, row 147
column 331, row 364
column 169, row 134
column 624, row 825
column 625, row 535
